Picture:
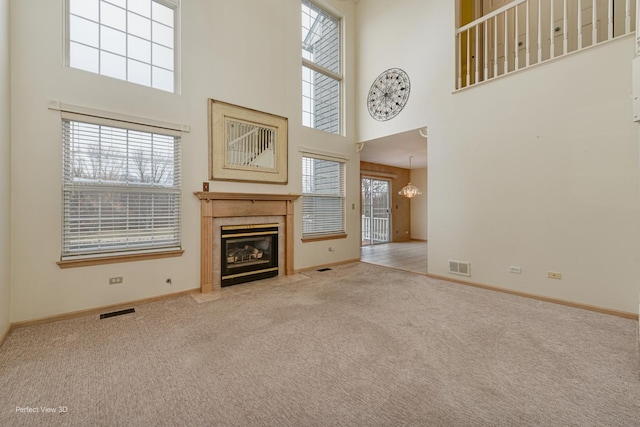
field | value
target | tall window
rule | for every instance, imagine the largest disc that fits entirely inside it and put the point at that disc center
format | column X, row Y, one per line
column 321, row 68
column 131, row 40
column 323, row 198
column 121, row 188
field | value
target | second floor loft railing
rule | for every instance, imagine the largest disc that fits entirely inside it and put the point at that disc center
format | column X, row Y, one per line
column 522, row 33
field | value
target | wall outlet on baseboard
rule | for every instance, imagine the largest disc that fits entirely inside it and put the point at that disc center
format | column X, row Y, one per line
column 115, row 280
column 554, row 275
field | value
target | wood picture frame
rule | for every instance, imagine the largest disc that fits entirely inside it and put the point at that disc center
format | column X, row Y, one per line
column 246, row 144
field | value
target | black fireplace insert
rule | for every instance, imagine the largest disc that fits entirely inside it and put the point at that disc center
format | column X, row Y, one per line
column 249, row 252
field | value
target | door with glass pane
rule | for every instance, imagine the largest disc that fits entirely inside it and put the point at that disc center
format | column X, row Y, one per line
column 376, row 211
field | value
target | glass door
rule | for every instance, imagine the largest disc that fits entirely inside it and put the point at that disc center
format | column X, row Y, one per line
column 376, row 212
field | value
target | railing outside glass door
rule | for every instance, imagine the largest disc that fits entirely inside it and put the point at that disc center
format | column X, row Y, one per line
column 376, row 212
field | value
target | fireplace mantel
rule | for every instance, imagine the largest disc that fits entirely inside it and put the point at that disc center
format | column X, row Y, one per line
column 246, row 196
column 229, row 205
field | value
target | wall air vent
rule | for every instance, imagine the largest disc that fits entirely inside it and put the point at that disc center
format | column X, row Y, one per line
column 462, row 268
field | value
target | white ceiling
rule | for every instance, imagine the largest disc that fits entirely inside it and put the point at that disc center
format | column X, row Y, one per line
column 394, row 150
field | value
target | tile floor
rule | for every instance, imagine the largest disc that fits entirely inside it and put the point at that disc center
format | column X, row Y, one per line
column 409, row 256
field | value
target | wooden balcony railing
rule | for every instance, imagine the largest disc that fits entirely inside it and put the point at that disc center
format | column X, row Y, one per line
column 523, row 33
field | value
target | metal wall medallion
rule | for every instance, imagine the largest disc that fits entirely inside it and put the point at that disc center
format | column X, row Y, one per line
column 388, row 94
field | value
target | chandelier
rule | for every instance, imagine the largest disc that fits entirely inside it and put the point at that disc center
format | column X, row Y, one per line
column 410, row 190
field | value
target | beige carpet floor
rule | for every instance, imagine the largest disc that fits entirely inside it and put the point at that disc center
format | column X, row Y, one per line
column 358, row 345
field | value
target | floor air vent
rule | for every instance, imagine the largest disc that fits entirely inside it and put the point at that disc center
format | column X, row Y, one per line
column 459, row 267
column 324, row 269
column 117, row 313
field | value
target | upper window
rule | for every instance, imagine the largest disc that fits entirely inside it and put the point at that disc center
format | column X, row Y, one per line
column 323, row 198
column 132, row 40
column 321, row 68
column 121, row 188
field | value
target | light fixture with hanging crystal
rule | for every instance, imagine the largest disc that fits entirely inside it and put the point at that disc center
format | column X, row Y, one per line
column 410, row 190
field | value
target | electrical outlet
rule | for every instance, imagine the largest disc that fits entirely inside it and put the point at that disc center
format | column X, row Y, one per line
column 515, row 270
column 331, row 249
column 115, row 280
column 554, row 275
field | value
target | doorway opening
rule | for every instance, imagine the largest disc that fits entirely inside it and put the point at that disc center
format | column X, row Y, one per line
column 376, row 211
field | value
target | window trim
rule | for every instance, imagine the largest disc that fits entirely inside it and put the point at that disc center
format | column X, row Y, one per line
column 91, row 116
column 114, row 259
column 325, row 237
column 322, row 70
column 177, row 40
column 103, row 115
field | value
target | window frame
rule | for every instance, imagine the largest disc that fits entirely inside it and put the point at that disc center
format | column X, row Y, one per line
column 172, row 4
column 334, row 234
column 115, row 255
column 338, row 77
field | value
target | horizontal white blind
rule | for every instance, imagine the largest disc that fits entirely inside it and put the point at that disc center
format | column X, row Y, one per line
column 121, row 190
column 323, row 197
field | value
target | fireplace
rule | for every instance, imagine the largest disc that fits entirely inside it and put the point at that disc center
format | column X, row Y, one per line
column 218, row 210
column 248, row 252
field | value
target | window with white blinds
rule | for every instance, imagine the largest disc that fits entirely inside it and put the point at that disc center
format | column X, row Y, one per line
column 121, row 188
column 323, row 197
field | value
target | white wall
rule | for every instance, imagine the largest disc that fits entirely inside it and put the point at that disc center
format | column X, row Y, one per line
column 419, row 219
column 5, row 168
column 537, row 170
column 245, row 52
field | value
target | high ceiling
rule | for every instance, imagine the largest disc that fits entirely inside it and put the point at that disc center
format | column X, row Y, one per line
column 394, row 150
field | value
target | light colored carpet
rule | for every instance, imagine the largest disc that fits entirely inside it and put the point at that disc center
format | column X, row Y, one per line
column 359, row 345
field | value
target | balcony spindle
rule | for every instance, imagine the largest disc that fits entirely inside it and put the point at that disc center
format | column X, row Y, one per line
column 459, row 36
column 485, row 55
column 476, row 62
column 552, row 31
column 627, row 17
column 637, row 32
column 468, row 57
column 565, row 39
column 610, row 21
column 516, row 44
column 527, row 46
column 594, row 23
column 579, row 24
column 506, row 44
column 539, row 31
column 495, row 46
